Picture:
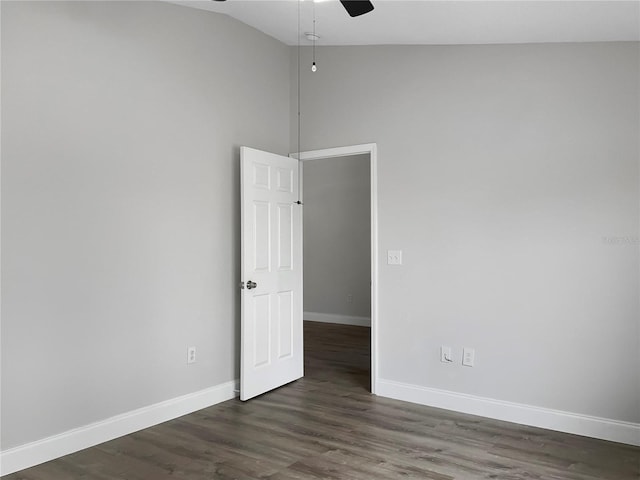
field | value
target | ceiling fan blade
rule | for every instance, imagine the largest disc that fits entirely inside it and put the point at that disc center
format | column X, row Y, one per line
column 356, row 8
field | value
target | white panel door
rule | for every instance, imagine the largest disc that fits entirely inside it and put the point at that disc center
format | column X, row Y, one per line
column 271, row 331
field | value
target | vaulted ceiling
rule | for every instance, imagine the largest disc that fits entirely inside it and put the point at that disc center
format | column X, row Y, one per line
column 424, row 22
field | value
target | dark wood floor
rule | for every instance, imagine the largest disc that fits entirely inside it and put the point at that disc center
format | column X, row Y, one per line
column 328, row 426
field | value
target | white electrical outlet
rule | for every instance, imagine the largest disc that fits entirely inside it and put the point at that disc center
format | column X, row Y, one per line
column 445, row 354
column 394, row 257
column 468, row 357
column 191, row 355
column 350, row 298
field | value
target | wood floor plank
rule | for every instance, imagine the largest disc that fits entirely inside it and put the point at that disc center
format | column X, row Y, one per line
column 328, row 426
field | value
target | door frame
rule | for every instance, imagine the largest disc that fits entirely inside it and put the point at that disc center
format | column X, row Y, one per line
column 372, row 150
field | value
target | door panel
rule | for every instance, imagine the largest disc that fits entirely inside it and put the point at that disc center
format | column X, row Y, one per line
column 285, row 237
column 285, row 324
column 261, row 326
column 262, row 236
column 271, row 331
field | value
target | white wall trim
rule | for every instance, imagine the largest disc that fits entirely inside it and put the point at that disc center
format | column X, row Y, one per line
column 588, row 426
column 337, row 318
column 50, row 448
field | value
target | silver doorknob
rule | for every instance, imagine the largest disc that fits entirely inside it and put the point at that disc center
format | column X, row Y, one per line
column 251, row 285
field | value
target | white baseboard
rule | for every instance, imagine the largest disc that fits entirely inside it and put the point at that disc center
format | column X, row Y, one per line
column 35, row 453
column 585, row 425
column 337, row 318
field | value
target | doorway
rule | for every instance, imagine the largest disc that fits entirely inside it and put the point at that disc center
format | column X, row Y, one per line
column 340, row 299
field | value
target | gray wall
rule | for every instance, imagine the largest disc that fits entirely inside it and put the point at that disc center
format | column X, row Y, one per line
column 120, row 190
column 337, row 236
column 501, row 171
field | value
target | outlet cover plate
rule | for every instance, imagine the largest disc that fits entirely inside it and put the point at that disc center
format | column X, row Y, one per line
column 394, row 257
column 191, row 355
column 468, row 357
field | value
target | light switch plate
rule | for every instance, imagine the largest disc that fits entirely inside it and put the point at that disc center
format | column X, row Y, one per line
column 394, row 257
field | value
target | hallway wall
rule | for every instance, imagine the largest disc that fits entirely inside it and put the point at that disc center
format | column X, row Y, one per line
column 337, row 239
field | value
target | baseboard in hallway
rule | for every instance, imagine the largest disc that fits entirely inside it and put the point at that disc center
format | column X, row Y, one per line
column 337, row 318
